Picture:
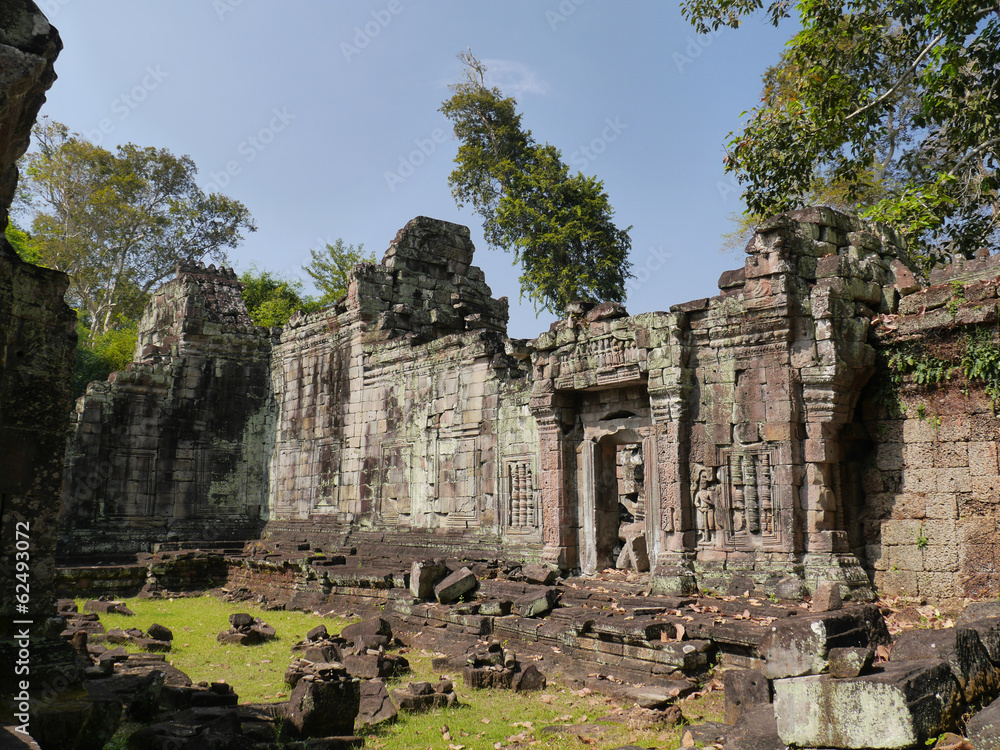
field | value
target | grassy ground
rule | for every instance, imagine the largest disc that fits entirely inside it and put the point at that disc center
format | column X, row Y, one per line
column 558, row 718
column 486, row 719
column 255, row 672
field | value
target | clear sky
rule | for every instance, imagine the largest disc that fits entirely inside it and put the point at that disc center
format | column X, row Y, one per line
column 321, row 117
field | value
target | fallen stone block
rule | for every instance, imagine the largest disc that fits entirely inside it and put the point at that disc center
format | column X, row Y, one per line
column 850, row 661
column 983, row 729
column 541, row 575
column 322, row 709
column 536, row 603
column 160, row 632
column 322, row 652
column 423, row 696
column 977, row 676
column 757, row 729
column 455, row 586
column 826, row 597
column 318, row 633
column 68, row 723
column 798, row 646
column 744, row 688
column 496, row 607
column 898, row 706
column 241, row 620
column 372, row 666
column 364, row 643
column 424, row 576
column 107, row 606
column 152, row 644
column 376, row 626
column 529, row 679
column 488, row 677
column 376, row 706
column 988, row 629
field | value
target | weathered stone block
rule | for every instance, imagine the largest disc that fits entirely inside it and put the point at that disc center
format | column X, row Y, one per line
column 455, row 586
column 322, row 709
column 801, row 645
column 744, row 688
column 898, row 707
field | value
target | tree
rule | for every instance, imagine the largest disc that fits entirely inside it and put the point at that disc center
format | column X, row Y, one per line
column 896, row 104
column 118, row 223
column 271, row 300
column 330, row 269
column 21, row 242
column 558, row 226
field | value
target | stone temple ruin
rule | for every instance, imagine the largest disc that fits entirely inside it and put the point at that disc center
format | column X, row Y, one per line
column 725, row 440
column 399, row 453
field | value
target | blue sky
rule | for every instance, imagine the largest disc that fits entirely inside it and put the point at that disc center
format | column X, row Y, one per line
column 321, row 117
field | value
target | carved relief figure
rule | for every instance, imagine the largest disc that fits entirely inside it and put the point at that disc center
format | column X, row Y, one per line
column 704, row 503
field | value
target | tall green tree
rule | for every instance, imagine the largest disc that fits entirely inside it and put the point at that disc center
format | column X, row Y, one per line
column 559, row 226
column 119, row 222
column 272, row 300
column 895, row 104
column 331, row 267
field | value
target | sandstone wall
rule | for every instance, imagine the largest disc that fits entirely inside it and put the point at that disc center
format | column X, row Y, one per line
column 719, row 444
column 745, row 405
column 404, row 412
column 37, row 346
column 932, row 485
column 176, row 446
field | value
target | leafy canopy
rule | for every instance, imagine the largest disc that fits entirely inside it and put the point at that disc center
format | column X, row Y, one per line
column 558, row 226
column 119, row 222
column 894, row 103
column 330, row 269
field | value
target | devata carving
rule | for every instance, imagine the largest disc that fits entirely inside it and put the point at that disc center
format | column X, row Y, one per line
column 704, row 493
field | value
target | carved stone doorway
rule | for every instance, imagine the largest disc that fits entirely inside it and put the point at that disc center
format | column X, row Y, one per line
column 603, row 517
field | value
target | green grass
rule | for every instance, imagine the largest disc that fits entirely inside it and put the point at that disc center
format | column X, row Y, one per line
column 486, row 718
column 501, row 718
column 255, row 672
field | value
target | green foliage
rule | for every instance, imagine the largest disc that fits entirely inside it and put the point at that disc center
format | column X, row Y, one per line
column 925, row 369
column 330, row 269
column 895, row 104
column 98, row 355
column 22, row 244
column 118, row 223
column 922, row 540
column 558, row 226
column 981, row 362
column 271, row 300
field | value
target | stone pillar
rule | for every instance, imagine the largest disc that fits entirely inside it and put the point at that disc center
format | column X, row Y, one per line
column 559, row 526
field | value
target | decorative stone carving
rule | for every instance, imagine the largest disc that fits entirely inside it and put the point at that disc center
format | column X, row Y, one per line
column 704, row 494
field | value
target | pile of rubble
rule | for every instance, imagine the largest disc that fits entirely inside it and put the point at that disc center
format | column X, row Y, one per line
column 497, row 667
column 246, row 630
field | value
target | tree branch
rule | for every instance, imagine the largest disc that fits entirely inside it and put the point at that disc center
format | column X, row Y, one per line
column 899, row 82
column 976, row 150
